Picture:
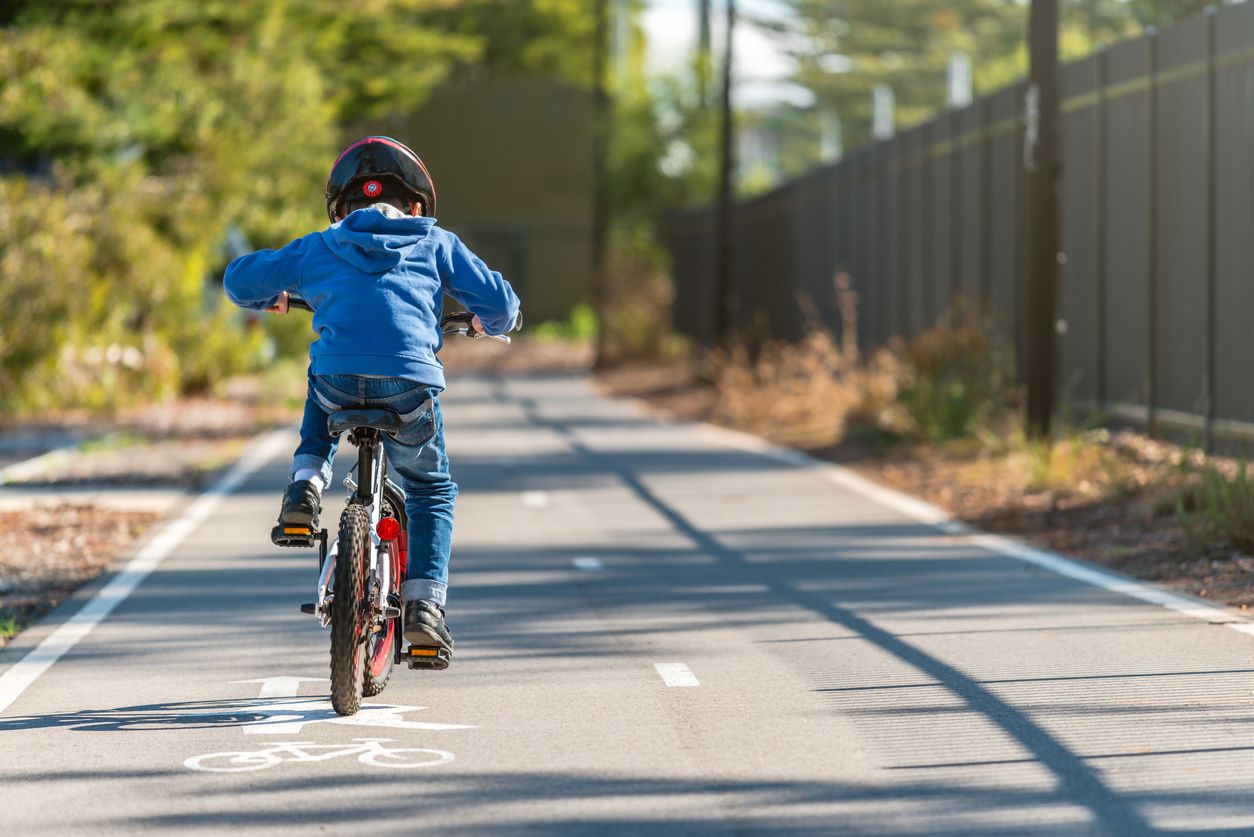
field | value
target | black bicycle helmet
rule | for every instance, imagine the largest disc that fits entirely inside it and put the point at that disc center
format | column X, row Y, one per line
column 378, row 168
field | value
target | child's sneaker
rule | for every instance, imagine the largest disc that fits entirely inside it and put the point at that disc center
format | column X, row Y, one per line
column 425, row 626
column 299, row 516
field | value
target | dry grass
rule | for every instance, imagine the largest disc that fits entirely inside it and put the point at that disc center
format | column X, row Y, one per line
column 805, row 394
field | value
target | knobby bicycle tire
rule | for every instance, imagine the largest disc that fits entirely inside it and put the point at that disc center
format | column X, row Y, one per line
column 348, row 615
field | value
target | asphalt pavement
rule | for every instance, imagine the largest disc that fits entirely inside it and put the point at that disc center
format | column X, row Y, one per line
column 659, row 630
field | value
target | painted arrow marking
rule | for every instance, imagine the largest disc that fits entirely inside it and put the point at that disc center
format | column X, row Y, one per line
column 275, row 687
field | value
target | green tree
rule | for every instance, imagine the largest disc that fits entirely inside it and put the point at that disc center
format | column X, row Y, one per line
column 538, row 37
column 162, row 124
column 844, row 49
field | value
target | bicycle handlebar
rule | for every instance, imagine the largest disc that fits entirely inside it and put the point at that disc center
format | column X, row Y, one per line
column 456, row 323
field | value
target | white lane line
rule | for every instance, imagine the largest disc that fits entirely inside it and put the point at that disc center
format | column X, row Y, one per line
column 588, row 564
column 534, row 499
column 931, row 515
column 676, row 675
column 26, row 670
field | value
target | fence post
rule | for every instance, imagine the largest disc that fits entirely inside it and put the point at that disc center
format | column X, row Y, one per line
column 600, row 185
column 1209, row 151
column 873, row 280
column 1042, row 166
column 1151, row 227
column 882, row 184
column 1099, row 166
column 986, row 207
column 955, row 212
column 901, row 236
column 928, row 272
column 726, row 301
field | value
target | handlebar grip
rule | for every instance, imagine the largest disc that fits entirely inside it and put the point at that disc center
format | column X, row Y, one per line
column 297, row 302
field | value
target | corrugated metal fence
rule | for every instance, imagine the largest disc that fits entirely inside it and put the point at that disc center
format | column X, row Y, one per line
column 1157, row 282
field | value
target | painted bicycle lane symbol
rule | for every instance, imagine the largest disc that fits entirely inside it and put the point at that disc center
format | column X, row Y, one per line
column 279, row 711
column 368, row 751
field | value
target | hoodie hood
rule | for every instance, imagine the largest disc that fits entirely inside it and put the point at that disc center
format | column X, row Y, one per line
column 376, row 239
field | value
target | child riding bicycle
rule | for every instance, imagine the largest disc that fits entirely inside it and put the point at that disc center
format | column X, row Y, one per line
column 376, row 279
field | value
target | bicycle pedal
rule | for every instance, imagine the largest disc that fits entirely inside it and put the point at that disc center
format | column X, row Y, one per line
column 429, row 658
column 297, row 536
column 309, row 607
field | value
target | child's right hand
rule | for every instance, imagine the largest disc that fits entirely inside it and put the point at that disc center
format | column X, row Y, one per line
column 280, row 305
column 476, row 324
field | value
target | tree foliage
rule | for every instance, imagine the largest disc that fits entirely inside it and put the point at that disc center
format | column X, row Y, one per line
column 135, row 133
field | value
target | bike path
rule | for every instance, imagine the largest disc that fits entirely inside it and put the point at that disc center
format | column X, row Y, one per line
column 840, row 668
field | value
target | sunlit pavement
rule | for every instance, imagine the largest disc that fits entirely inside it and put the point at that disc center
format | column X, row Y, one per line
column 656, row 633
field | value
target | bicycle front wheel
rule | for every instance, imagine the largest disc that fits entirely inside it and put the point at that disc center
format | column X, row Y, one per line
column 349, row 610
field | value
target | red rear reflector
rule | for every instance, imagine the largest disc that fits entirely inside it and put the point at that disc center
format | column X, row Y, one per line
column 389, row 529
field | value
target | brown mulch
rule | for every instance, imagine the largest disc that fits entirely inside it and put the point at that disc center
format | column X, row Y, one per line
column 1135, row 531
column 51, row 551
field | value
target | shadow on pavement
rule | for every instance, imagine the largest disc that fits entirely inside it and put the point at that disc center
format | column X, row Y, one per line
column 1078, row 781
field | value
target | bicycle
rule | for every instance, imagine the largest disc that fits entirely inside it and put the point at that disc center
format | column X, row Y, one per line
column 369, row 751
column 360, row 573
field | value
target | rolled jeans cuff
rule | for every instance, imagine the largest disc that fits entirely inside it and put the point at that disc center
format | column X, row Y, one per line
column 424, row 588
column 301, row 461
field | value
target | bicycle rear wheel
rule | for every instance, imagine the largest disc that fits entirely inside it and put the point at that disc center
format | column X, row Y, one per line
column 349, row 610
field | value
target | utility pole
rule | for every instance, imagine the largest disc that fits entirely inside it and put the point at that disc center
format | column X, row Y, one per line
column 1041, row 160
column 600, row 200
column 725, row 234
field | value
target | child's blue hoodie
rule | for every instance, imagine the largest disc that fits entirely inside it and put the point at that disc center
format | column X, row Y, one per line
column 376, row 281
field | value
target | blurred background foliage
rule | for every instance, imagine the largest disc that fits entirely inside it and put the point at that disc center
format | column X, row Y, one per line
column 843, row 49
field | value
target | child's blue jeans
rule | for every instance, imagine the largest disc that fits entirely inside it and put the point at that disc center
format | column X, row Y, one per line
column 416, row 455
